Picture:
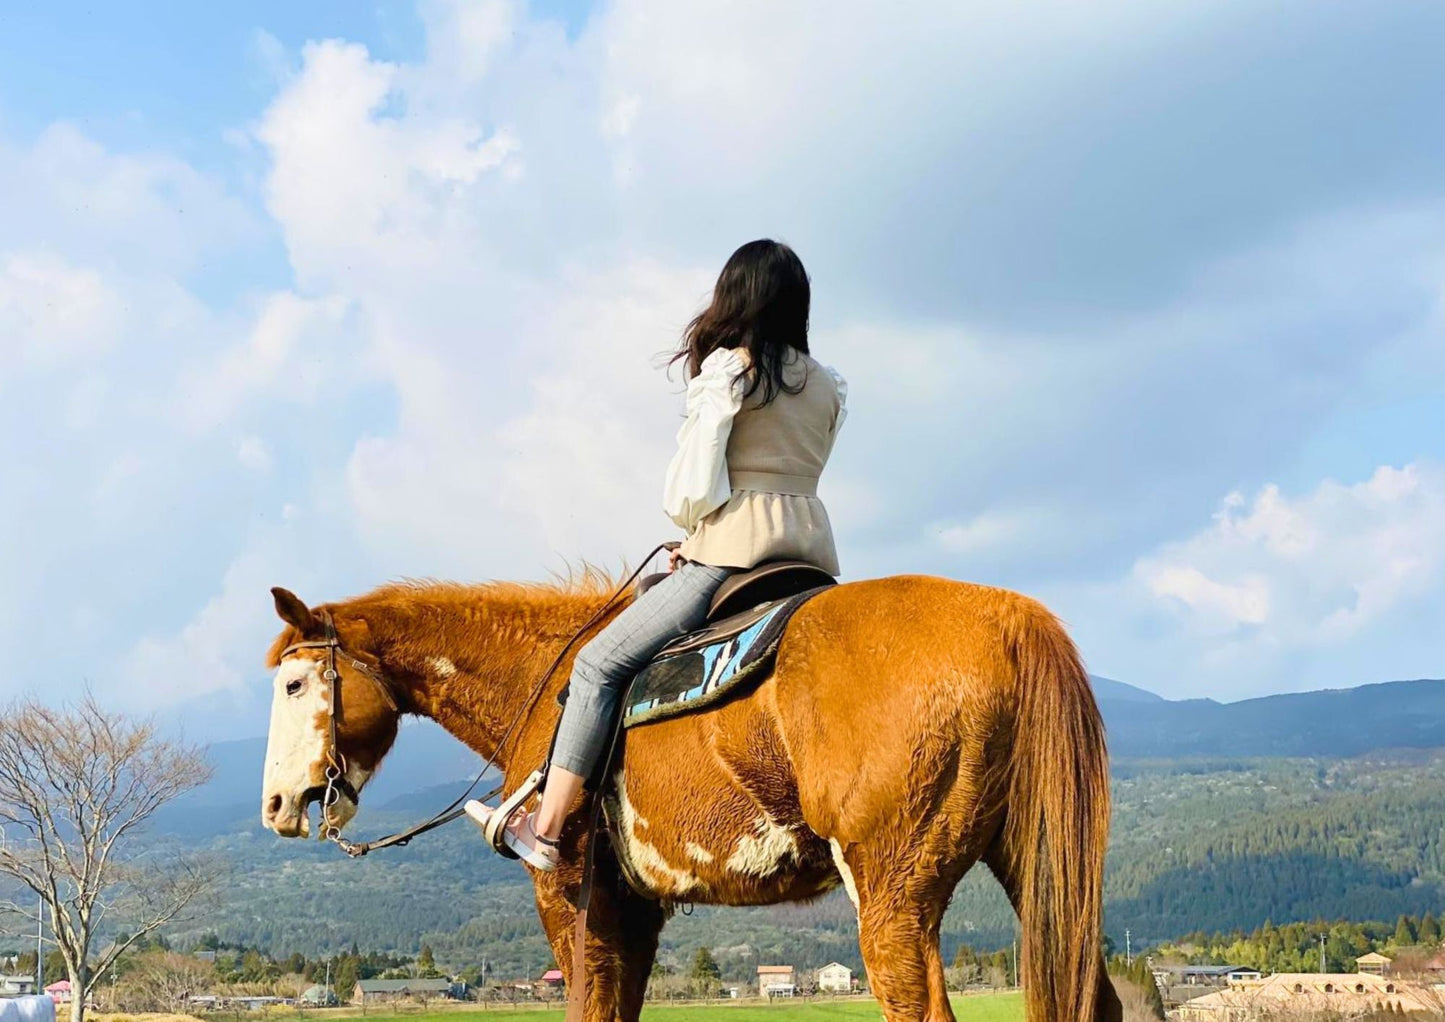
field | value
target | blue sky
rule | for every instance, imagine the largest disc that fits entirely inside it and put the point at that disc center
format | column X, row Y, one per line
column 1140, row 305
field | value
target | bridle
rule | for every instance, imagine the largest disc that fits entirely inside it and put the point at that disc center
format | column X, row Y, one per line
column 336, row 781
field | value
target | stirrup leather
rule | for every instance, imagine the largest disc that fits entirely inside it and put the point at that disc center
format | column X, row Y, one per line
column 497, row 822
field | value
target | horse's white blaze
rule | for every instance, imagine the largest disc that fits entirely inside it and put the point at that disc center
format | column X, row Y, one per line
column 847, row 874
column 442, row 667
column 296, row 748
column 763, row 851
column 651, row 865
column 297, row 741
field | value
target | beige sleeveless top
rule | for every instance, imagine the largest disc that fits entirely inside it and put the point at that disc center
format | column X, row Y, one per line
column 775, row 455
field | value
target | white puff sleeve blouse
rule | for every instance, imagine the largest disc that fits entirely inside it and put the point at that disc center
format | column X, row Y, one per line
column 697, row 478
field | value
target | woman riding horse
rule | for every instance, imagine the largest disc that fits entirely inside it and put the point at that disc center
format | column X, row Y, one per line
column 762, row 416
column 907, row 728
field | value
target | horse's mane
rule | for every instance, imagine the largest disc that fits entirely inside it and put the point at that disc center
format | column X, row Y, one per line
column 563, row 601
column 585, row 581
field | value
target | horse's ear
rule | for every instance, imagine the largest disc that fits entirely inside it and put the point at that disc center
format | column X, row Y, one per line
column 291, row 610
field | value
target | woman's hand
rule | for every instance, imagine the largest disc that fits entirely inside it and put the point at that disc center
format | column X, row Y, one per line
column 674, row 558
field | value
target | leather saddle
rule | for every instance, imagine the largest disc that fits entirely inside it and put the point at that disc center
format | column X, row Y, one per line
column 745, row 598
column 744, row 590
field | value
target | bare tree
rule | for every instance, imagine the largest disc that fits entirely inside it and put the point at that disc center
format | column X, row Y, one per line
column 162, row 980
column 77, row 786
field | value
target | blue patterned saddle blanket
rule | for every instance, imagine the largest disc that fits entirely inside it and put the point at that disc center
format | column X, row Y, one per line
column 706, row 667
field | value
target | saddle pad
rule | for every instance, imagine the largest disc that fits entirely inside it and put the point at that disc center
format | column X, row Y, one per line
column 701, row 676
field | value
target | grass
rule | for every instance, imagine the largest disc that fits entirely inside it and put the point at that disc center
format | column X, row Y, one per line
column 1005, row 1007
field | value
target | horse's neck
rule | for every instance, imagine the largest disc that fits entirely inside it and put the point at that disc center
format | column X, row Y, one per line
column 470, row 659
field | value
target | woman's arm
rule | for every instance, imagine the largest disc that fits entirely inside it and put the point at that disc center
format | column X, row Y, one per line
column 697, row 478
column 842, row 386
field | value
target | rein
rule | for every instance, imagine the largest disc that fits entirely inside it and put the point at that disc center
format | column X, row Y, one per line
column 336, row 782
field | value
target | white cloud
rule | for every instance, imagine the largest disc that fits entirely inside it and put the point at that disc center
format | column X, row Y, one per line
column 348, row 177
column 140, row 213
column 53, row 313
column 464, row 36
column 989, row 533
column 489, row 243
column 254, row 454
column 1309, row 570
column 1243, row 602
column 220, row 648
column 283, row 356
column 568, row 466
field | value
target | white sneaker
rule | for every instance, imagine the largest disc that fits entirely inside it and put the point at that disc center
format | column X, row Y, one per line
column 520, row 835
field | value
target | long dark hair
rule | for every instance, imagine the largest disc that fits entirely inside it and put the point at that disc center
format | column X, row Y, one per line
column 760, row 304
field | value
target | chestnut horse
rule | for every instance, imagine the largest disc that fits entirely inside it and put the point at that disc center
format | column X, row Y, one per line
column 911, row 727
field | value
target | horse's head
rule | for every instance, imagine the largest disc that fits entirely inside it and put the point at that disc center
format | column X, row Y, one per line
column 333, row 717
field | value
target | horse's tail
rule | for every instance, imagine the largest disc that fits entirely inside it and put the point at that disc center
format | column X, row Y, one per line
column 1057, row 822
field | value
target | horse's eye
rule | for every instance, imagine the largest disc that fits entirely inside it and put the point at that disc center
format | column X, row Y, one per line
column 292, row 687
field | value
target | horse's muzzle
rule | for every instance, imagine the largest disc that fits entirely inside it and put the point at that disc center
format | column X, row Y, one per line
column 290, row 816
column 287, row 816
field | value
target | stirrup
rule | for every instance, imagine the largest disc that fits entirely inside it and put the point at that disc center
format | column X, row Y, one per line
column 497, row 822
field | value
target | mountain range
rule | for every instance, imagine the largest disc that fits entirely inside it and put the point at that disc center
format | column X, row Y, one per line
column 1329, row 722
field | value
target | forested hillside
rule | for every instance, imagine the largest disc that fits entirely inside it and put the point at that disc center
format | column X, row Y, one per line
column 1197, row 846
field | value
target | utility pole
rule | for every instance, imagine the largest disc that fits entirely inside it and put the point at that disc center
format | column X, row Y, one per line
column 1016, row 963
column 326, row 988
column 39, row 951
column 1322, row 952
column 1128, row 951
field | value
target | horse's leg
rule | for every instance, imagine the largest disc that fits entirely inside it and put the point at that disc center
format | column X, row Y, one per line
column 902, row 869
column 1107, row 1003
column 900, row 899
column 622, row 933
column 641, row 924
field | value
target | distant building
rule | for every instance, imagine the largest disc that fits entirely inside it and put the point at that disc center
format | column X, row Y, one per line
column 1314, row 994
column 16, row 986
column 776, row 981
column 1373, row 964
column 1167, row 976
column 257, row 1002
column 319, row 996
column 552, row 981
column 1217, row 975
column 835, row 978
column 378, row 991
column 59, row 992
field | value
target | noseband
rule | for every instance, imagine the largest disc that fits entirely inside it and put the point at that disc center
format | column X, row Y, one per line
column 336, row 781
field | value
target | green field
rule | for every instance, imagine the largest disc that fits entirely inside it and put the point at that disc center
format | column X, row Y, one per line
column 1007, row 1007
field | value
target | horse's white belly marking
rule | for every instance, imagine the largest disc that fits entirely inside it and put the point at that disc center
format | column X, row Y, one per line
column 763, row 852
column 661, row 875
column 442, row 667
column 844, row 871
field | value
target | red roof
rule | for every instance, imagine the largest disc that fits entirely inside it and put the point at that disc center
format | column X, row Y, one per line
column 58, row 987
column 552, row 976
